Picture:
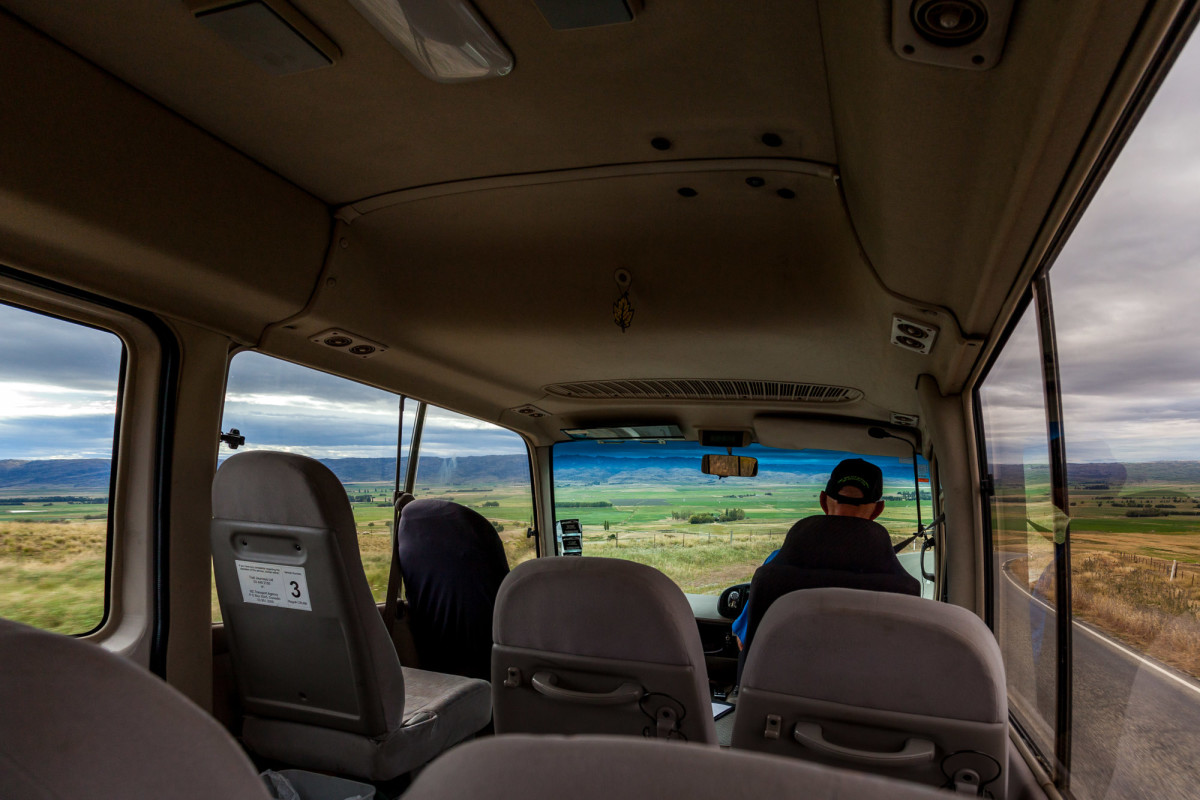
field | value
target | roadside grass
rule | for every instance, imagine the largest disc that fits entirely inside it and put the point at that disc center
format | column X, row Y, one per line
column 697, row 567
column 1141, row 607
column 52, row 574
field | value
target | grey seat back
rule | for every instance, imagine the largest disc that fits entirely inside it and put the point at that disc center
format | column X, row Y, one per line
column 597, row 645
column 453, row 563
column 78, row 721
column 608, row 767
column 886, row 683
column 305, row 636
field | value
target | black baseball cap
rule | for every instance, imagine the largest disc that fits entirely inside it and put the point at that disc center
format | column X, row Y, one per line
column 862, row 475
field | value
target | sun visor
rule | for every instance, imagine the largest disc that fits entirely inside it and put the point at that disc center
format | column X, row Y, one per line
column 800, row 433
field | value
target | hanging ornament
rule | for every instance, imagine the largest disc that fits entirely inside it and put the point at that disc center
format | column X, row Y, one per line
column 623, row 308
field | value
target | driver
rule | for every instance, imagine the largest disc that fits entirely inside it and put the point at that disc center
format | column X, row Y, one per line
column 844, row 547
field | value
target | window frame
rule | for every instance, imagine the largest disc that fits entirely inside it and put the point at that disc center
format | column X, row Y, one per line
column 1036, row 291
column 136, row 617
column 410, row 448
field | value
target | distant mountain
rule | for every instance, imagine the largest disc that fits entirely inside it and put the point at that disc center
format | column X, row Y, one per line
column 67, row 473
column 493, row 470
column 432, row 470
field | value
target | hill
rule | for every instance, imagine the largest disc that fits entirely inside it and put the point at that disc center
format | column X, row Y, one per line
column 92, row 474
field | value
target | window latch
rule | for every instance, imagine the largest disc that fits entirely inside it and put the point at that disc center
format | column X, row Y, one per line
column 234, row 438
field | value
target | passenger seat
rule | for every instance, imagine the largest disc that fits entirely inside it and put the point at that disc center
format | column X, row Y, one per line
column 79, row 722
column 886, row 683
column 317, row 673
column 598, row 645
column 608, row 767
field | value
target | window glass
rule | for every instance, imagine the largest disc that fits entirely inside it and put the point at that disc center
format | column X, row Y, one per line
column 58, row 398
column 349, row 427
column 481, row 466
column 1125, row 294
column 649, row 502
column 1022, row 522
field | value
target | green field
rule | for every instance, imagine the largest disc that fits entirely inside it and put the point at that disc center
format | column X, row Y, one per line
column 1135, row 577
column 651, row 524
column 52, row 561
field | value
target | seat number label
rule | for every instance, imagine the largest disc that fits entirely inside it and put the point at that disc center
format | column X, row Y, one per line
column 273, row 585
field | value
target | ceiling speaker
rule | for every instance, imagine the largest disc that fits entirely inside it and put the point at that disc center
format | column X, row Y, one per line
column 349, row 343
column 964, row 34
column 912, row 335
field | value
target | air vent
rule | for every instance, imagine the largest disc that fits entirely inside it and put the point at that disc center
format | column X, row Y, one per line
column 681, row 389
column 349, row 343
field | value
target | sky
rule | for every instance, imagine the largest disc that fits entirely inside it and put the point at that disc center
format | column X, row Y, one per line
column 1126, row 292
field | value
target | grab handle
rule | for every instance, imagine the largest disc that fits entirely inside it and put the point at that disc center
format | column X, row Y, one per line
column 915, row 751
column 547, row 683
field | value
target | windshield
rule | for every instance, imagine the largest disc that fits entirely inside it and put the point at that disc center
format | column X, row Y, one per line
column 649, row 502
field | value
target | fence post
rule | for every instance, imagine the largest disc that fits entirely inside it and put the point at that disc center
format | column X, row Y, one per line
column 1174, row 564
column 731, row 537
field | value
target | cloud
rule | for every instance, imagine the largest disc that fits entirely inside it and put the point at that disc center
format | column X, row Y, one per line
column 1125, row 291
column 57, row 437
column 48, row 351
column 58, row 387
column 283, row 406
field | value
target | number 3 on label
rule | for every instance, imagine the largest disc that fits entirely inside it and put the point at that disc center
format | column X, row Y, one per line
column 295, row 588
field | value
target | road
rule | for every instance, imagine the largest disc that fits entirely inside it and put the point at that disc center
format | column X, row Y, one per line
column 1136, row 722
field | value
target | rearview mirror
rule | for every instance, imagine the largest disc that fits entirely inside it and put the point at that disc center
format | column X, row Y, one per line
column 729, row 466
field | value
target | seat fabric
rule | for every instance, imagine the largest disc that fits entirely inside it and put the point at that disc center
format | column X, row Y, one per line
column 607, row 767
column 595, row 625
column 77, row 721
column 318, row 675
column 870, row 671
column 825, row 552
column 453, row 563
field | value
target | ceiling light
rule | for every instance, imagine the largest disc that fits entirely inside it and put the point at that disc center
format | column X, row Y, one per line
column 446, row 40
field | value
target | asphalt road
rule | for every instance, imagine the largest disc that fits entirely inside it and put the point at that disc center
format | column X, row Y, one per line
column 1136, row 721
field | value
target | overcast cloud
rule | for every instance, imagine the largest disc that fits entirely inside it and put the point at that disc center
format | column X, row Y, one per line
column 1126, row 289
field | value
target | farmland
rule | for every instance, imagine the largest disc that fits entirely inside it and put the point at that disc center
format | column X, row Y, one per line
column 1135, row 561
column 1125, row 542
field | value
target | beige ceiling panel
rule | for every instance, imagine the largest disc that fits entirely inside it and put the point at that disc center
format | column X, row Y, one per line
column 104, row 189
column 948, row 173
column 799, row 433
column 711, row 75
column 516, row 285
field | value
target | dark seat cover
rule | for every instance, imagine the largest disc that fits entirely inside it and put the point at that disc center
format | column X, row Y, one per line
column 453, row 563
column 828, row 552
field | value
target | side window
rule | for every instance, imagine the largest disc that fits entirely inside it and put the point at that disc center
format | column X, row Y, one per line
column 59, row 385
column 349, row 427
column 1023, row 523
column 1125, row 293
column 481, row 466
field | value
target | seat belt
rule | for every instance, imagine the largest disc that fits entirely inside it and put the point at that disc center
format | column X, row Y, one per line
column 395, row 612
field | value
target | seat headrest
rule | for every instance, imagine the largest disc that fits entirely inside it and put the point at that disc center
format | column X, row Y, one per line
column 281, row 489
column 440, row 516
column 632, row 768
column 598, row 607
column 879, row 650
column 79, row 721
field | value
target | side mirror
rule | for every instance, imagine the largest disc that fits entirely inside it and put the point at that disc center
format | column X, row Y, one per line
column 729, row 466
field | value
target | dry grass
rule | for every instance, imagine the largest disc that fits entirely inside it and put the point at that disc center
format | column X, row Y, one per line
column 52, row 574
column 1140, row 606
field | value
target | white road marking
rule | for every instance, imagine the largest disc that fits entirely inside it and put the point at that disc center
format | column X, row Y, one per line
column 1182, row 681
